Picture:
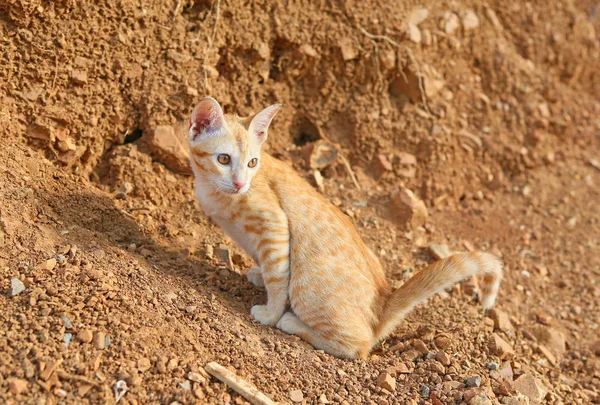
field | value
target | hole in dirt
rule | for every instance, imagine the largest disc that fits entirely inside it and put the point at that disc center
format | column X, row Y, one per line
column 133, row 136
column 280, row 47
column 304, row 131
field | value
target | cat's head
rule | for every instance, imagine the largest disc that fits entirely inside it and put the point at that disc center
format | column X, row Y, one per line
column 225, row 149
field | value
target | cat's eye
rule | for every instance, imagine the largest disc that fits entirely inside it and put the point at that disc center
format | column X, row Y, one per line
column 253, row 162
column 224, row 159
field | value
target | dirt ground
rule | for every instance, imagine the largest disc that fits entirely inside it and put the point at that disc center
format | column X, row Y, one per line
column 488, row 111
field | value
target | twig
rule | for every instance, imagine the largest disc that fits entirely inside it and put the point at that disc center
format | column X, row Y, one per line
column 383, row 37
column 176, row 10
column 72, row 377
column 210, row 43
column 242, row 387
column 350, row 171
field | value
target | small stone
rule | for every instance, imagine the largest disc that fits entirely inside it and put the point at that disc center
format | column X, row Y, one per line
column 319, row 180
column 196, row 377
column 132, row 247
column 480, row 399
column 224, row 255
column 66, row 322
column 17, row 386
column 67, row 338
column 48, row 265
column 296, row 395
column 381, row 164
column 443, row 358
column 99, row 340
column 439, row 251
column 442, row 342
column 171, row 148
column 531, row 387
column 123, row 191
column 16, row 287
column 501, row 320
column 42, row 132
column 79, row 76
column 551, row 338
column 474, row 381
column 414, row 34
column 66, row 145
column 410, row 211
column 424, row 391
column 61, row 259
column 506, row 371
column 386, row 381
column 548, row 355
column 85, row 336
column 417, row 16
column 500, row 347
column 420, row 346
column 185, row 385
column 323, row 399
column 348, row 48
column 451, row 22
column 596, row 347
column 143, row 364
column 320, row 154
column 406, row 159
column 492, row 365
column 470, row 20
column 402, row 368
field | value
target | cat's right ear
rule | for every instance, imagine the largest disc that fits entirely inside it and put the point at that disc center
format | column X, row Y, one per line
column 207, row 118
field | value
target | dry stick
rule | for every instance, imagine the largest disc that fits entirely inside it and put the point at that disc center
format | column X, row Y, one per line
column 210, row 43
column 350, row 172
column 176, row 9
column 244, row 388
column 410, row 55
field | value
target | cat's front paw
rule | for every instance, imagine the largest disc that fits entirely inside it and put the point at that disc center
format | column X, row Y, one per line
column 262, row 315
column 255, row 277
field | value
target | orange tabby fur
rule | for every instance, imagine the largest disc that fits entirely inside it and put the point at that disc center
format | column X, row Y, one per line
column 307, row 249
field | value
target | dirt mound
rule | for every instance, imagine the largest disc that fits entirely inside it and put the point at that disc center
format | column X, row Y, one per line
column 487, row 112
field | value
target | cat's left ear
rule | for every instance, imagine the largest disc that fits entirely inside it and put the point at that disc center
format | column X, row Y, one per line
column 259, row 125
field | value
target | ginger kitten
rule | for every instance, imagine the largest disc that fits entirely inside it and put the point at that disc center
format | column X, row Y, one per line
column 306, row 248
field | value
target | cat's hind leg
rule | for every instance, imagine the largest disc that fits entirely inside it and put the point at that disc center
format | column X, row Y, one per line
column 291, row 324
column 255, row 277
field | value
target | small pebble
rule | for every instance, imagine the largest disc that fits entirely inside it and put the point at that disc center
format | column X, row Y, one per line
column 424, row 391
column 66, row 322
column 492, row 365
column 185, row 385
column 61, row 259
column 67, row 338
column 16, row 287
column 474, row 381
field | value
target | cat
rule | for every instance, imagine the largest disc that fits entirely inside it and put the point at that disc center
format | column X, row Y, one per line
column 307, row 250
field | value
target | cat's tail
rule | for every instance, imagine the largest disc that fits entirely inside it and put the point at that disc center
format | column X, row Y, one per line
column 436, row 278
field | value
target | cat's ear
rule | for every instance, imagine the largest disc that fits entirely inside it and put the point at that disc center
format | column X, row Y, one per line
column 259, row 126
column 207, row 118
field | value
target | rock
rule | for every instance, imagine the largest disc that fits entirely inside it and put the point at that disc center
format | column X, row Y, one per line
column 348, row 48
column 443, row 358
column 440, row 251
column 531, row 387
column 143, row 364
column 67, row 338
column 17, row 386
column 386, row 381
column 85, row 336
column 72, row 156
column 381, row 165
column 548, row 355
column 224, row 255
column 407, row 158
column 16, row 287
column 492, row 365
column 402, row 368
column 323, row 399
column 66, row 321
column 551, row 338
column 308, row 50
column 450, row 22
column 420, row 346
column 79, row 76
column 66, row 145
column 48, row 265
column 480, row 399
column 501, row 320
column 414, row 34
column 417, row 16
column 42, row 132
column 500, row 347
column 123, row 191
column 195, row 377
column 424, row 391
column 442, row 342
column 296, row 395
column 470, row 20
column 99, row 340
column 185, row 385
column 506, row 371
column 171, row 148
column 474, row 381
column 410, row 211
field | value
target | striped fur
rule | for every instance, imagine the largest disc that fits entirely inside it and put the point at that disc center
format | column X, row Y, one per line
column 306, row 249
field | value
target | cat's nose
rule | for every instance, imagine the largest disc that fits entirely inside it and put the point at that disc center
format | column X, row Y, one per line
column 238, row 185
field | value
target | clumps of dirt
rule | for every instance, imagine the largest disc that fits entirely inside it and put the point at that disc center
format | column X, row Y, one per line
column 436, row 128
